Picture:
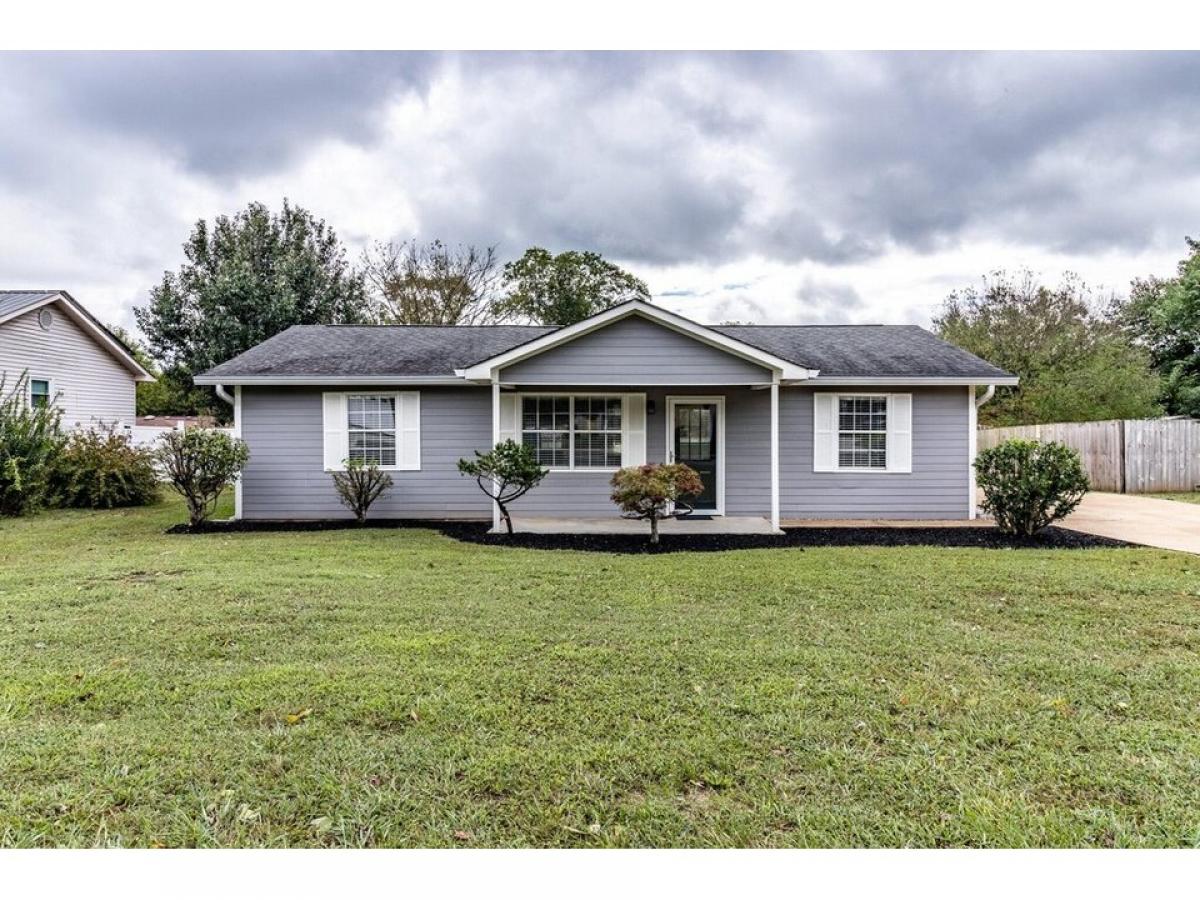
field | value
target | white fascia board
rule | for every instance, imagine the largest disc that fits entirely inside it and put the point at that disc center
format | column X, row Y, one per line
column 84, row 320
column 348, row 380
column 1009, row 381
column 483, row 371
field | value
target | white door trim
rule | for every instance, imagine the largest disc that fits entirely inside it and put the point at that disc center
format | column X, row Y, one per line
column 669, row 446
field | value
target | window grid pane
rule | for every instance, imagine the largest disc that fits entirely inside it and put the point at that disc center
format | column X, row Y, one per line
column 39, row 392
column 372, row 423
column 573, row 432
column 862, row 432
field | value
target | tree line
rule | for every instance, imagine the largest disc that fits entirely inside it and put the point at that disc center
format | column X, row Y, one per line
column 1083, row 357
column 249, row 276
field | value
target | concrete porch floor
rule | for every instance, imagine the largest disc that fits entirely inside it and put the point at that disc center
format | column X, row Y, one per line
column 617, row 525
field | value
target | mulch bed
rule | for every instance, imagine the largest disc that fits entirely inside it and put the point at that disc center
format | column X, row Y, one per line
column 1052, row 538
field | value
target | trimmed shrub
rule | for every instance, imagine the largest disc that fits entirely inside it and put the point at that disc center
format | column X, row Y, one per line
column 101, row 469
column 647, row 492
column 1028, row 484
column 30, row 441
column 199, row 463
column 359, row 486
column 507, row 471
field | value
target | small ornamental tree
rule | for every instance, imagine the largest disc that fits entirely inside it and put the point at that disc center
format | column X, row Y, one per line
column 30, row 441
column 1027, row 484
column 360, row 485
column 199, row 463
column 507, row 471
column 648, row 492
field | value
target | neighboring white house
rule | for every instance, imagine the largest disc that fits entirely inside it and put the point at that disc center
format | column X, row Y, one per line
column 71, row 359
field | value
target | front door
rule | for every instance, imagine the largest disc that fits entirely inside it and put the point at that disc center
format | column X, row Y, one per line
column 695, row 440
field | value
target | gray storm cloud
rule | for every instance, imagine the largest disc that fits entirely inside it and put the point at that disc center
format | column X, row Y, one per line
column 658, row 160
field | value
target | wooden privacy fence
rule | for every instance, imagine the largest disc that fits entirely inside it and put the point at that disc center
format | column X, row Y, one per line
column 1129, row 456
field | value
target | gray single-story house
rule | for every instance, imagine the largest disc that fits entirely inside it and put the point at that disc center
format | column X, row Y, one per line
column 782, row 422
column 64, row 357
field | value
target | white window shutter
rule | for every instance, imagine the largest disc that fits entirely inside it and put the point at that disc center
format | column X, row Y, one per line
column 824, row 432
column 510, row 418
column 408, row 430
column 899, row 433
column 633, row 432
column 336, row 430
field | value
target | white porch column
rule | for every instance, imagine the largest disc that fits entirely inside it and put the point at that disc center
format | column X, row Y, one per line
column 775, row 451
column 495, row 440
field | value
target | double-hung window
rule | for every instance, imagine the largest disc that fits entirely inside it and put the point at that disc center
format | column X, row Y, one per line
column 39, row 392
column 573, row 432
column 371, row 420
column 862, row 432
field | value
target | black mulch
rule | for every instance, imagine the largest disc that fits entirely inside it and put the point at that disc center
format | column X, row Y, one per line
column 1052, row 538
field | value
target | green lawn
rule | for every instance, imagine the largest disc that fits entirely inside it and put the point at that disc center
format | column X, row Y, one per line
column 396, row 688
column 1184, row 496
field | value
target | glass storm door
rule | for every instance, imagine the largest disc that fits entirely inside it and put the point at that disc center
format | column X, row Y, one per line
column 695, row 428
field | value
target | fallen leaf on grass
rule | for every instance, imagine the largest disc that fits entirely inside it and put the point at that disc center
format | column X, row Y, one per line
column 297, row 717
column 463, row 836
column 322, row 824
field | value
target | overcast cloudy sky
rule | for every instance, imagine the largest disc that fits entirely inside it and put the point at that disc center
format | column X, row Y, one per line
column 763, row 187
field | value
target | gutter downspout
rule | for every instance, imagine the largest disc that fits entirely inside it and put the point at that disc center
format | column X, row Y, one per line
column 986, row 396
column 973, row 443
column 234, row 400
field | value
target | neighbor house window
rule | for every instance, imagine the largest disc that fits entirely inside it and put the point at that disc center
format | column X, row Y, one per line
column 569, row 432
column 862, row 432
column 39, row 392
column 372, row 426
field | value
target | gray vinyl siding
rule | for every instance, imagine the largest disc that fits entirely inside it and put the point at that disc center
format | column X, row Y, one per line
column 935, row 489
column 635, row 351
column 91, row 386
column 285, row 477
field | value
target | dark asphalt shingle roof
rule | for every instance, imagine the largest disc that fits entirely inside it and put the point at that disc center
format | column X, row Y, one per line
column 332, row 350
column 848, row 351
column 435, row 351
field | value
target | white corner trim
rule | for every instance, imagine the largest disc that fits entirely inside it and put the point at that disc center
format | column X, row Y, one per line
column 775, row 454
column 495, row 441
column 972, row 449
column 485, row 369
column 237, row 433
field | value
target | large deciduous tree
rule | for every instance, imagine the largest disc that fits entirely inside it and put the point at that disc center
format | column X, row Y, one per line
column 1074, row 364
column 432, row 284
column 1163, row 315
column 559, row 290
column 246, row 278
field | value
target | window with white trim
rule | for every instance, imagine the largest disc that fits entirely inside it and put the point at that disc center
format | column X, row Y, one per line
column 39, row 392
column 862, row 432
column 573, row 432
column 371, row 422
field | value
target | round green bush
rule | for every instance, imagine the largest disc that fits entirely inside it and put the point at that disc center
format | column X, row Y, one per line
column 1028, row 484
column 101, row 469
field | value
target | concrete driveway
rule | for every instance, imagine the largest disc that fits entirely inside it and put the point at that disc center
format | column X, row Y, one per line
column 1168, row 524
